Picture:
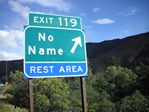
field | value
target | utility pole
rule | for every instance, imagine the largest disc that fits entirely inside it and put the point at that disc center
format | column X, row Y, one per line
column 6, row 73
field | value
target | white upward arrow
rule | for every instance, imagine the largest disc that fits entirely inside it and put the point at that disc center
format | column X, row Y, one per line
column 77, row 41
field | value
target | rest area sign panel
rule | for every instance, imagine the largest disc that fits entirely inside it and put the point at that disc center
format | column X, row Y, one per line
column 54, row 52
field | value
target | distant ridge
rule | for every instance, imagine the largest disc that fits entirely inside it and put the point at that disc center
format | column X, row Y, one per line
column 11, row 65
column 125, row 51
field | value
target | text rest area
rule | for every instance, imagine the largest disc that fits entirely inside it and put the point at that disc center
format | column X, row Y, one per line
column 59, row 69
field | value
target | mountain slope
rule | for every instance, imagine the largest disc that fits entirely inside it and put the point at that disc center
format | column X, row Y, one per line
column 123, row 51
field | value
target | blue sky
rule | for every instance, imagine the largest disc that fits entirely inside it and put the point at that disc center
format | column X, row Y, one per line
column 101, row 19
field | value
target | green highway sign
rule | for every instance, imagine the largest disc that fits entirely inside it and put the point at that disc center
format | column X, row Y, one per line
column 54, row 52
column 54, row 47
column 54, row 21
column 53, row 44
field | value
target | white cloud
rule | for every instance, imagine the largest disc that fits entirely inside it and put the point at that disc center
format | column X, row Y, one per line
column 6, row 39
column 103, row 21
column 19, row 36
column 4, row 55
column 19, row 8
column 96, row 9
column 60, row 5
column 128, row 12
column 11, row 44
column 11, row 38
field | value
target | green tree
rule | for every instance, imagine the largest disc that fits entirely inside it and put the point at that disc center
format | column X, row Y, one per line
column 105, row 103
column 121, row 81
column 10, row 108
column 17, row 91
column 114, row 61
column 92, row 94
column 134, row 103
column 98, row 98
column 107, row 89
column 74, row 94
column 143, row 78
column 49, row 94
column 41, row 102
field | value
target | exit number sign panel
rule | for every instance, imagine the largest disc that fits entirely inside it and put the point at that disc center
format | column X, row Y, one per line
column 54, row 21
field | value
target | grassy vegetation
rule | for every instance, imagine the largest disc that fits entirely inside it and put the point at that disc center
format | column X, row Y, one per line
column 10, row 108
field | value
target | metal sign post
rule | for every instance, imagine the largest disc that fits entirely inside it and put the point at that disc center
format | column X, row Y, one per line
column 83, row 94
column 31, row 106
